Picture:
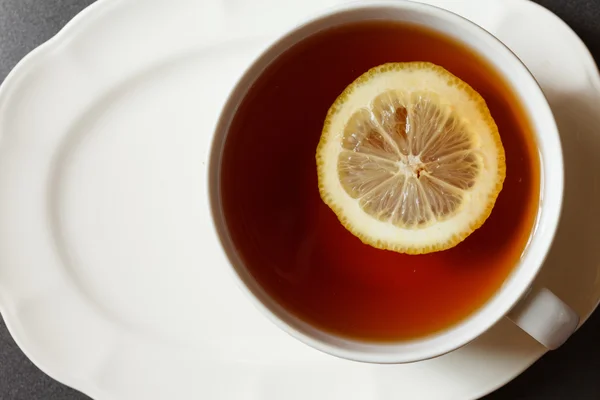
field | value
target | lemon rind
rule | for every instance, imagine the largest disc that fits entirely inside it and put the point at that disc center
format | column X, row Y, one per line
column 370, row 238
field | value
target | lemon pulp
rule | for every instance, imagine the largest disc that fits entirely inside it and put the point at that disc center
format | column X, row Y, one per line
column 410, row 158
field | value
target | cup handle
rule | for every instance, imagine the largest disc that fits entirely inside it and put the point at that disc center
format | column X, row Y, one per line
column 545, row 317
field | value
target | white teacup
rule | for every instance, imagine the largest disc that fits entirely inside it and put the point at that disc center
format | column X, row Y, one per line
column 540, row 313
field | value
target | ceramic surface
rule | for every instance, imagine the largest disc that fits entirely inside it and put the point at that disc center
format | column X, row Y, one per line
column 110, row 277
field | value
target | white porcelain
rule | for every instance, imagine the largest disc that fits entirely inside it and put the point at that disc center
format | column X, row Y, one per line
column 111, row 279
column 541, row 314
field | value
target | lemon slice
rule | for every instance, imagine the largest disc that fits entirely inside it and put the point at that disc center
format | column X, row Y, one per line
column 410, row 159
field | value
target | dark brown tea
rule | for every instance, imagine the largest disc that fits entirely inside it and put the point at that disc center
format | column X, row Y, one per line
column 293, row 244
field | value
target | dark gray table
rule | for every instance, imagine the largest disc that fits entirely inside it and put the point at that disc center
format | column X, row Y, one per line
column 570, row 373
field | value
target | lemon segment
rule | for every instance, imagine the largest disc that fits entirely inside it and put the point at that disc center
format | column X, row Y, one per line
column 410, row 158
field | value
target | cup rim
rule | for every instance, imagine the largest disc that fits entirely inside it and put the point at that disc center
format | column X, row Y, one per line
column 521, row 277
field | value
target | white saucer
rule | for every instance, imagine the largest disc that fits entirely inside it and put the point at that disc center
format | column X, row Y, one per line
column 110, row 277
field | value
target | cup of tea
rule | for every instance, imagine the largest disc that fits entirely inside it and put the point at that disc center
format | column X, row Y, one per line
column 317, row 280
